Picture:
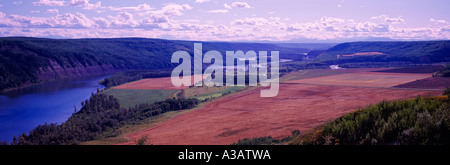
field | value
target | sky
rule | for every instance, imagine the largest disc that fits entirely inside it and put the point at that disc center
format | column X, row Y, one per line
column 229, row 20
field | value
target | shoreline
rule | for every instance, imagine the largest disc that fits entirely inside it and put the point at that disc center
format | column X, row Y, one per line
column 26, row 85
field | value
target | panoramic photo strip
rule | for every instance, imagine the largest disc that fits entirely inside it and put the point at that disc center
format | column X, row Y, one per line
column 224, row 80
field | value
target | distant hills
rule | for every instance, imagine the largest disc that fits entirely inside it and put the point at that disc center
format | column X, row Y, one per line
column 25, row 61
column 390, row 51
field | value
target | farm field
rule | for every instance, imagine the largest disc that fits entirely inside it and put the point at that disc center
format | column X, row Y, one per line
column 131, row 97
column 305, row 74
column 423, row 69
column 363, row 79
column 154, row 83
column 305, row 100
column 297, row 107
column 205, row 92
column 428, row 83
column 363, row 54
column 159, row 89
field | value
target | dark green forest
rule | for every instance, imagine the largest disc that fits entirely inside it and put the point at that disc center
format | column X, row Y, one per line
column 100, row 117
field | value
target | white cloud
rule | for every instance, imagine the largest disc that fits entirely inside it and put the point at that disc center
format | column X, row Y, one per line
column 388, row 19
column 340, row 4
column 175, row 9
column 141, row 7
column 227, row 6
column 158, row 19
column 85, row 4
column 123, row 20
column 194, row 30
column 101, row 22
column 124, row 16
column 49, row 3
column 271, row 22
column 78, row 3
column 295, row 27
column 249, row 21
column 438, row 21
column 73, row 3
column 67, row 20
column 338, row 27
column 90, row 6
column 331, row 20
column 161, row 19
column 35, row 11
column 7, row 22
column 217, row 11
column 77, row 20
column 168, row 10
column 144, row 21
column 17, row 2
column 241, row 5
column 52, row 11
column 201, row 1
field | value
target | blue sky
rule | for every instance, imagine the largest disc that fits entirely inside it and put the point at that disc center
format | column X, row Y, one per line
column 228, row 20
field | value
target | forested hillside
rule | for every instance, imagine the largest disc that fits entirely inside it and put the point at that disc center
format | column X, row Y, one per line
column 413, row 52
column 33, row 60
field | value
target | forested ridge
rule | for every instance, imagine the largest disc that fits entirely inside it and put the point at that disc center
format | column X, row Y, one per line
column 395, row 51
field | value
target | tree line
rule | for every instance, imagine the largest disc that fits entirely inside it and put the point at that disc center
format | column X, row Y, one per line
column 266, row 140
column 444, row 72
column 133, row 75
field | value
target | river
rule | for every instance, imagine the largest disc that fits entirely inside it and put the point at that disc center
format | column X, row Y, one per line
column 23, row 109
